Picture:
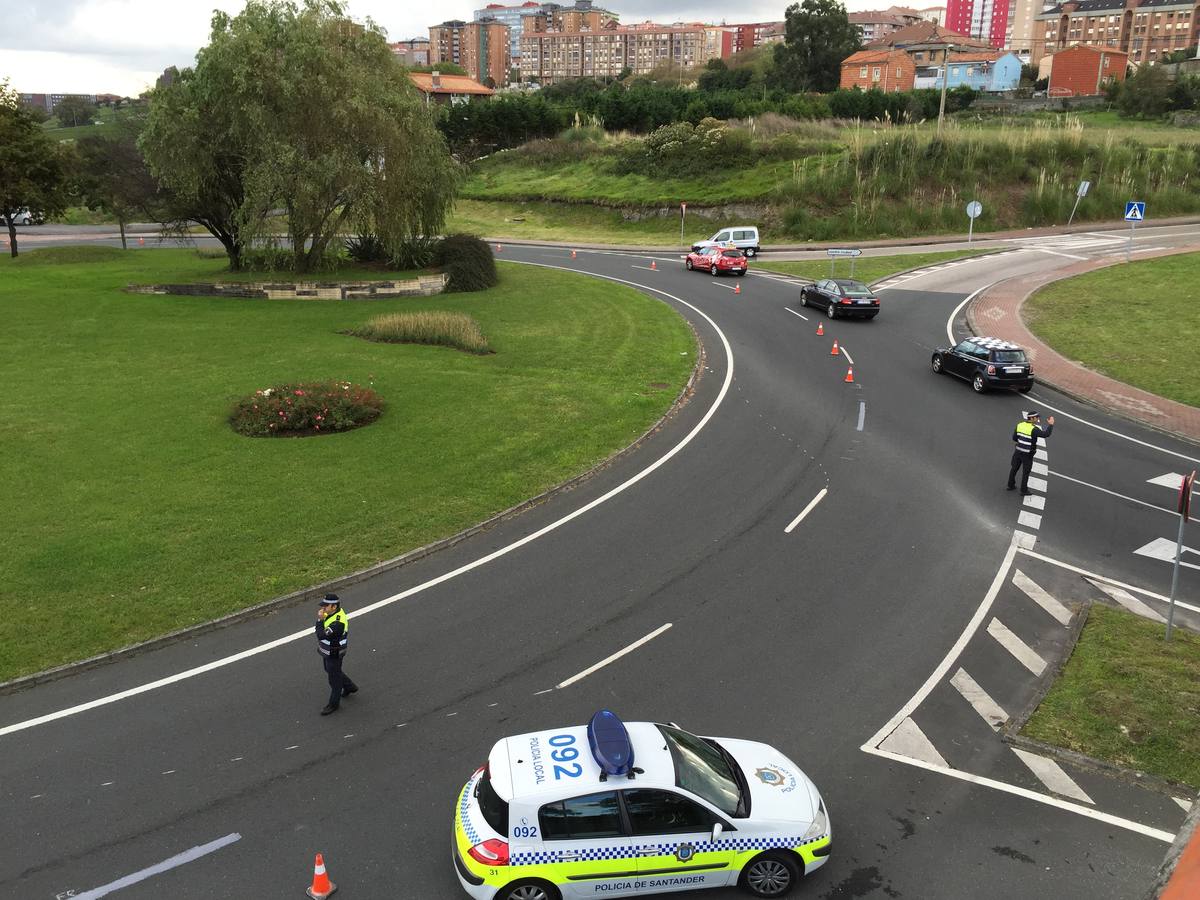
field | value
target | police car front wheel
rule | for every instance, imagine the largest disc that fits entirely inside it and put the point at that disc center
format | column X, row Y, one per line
column 529, row 890
column 771, row 874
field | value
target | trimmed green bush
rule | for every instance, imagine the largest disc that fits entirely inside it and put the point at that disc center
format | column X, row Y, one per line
column 444, row 329
column 468, row 262
column 299, row 410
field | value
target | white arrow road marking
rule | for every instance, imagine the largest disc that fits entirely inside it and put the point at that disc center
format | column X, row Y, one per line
column 1172, row 480
column 1164, row 549
column 991, row 711
column 1130, row 602
column 909, row 740
column 166, row 865
column 1039, row 596
column 1050, row 774
column 1184, row 803
column 1024, row 654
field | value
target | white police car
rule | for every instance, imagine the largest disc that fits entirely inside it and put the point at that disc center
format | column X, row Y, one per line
column 616, row 810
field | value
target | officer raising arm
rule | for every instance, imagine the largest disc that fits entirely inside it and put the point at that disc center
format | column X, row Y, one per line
column 333, row 636
column 1025, row 438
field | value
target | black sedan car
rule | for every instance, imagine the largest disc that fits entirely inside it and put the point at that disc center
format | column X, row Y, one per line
column 841, row 297
column 988, row 363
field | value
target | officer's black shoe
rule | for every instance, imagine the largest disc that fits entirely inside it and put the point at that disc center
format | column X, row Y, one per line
column 329, row 709
column 1011, row 487
column 346, row 692
column 1026, row 493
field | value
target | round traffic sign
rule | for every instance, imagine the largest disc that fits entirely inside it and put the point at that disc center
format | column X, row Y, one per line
column 974, row 208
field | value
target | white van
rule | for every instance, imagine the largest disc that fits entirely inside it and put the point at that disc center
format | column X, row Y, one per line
column 743, row 237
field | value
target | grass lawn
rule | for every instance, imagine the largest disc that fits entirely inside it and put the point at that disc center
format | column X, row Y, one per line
column 134, row 509
column 1128, row 697
column 868, row 268
column 581, row 222
column 1136, row 323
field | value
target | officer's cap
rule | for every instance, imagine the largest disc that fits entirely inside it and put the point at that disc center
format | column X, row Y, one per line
column 330, row 600
column 1031, row 414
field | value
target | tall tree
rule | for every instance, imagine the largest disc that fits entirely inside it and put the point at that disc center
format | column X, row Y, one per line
column 33, row 166
column 72, row 111
column 817, row 37
column 296, row 107
column 114, row 178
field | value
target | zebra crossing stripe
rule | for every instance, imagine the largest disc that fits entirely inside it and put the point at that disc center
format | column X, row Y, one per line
column 983, row 703
column 1039, row 468
column 909, row 740
column 1037, row 501
column 1023, row 653
column 1039, row 596
column 1038, row 484
column 1029, row 520
column 1127, row 600
column 1051, row 774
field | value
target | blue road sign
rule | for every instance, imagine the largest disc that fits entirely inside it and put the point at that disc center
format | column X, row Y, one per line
column 1135, row 211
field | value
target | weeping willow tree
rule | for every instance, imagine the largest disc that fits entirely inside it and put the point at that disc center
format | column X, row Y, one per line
column 299, row 109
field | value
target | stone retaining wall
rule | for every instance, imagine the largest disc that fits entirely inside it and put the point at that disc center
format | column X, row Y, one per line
column 421, row 286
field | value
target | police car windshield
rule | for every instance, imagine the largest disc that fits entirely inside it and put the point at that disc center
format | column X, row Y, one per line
column 494, row 810
column 706, row 771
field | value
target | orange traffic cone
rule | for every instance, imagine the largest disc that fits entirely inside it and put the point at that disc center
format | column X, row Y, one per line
column 572, row 254
column 834, row 351
column 849, row 379
column 820, row 328
column 141, row 242
column 653, row 265
column 322, row 887
column 737, row 288
column 498, row 248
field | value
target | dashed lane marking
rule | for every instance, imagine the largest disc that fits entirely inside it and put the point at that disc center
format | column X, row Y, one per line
column 1029, row 520
column 1130, row 602
column 794, row 313
column 1042, row 598
column 804, row 512
column 981, row 700
column 166, row 865
column 1039, row 468
column 1037, row 501
column 1022, row 652
column 1038, row 484
column 909, row 740
column 1051, row 774
column 604, row 662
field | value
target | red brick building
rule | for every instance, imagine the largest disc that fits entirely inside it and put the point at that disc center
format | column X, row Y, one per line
column 887, row 70
column 1084, row 71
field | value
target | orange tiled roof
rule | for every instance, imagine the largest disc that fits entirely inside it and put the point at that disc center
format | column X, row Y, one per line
column 870, row 56
column 449, row 84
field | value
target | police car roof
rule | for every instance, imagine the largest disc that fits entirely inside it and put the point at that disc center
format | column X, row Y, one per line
column 527, row 764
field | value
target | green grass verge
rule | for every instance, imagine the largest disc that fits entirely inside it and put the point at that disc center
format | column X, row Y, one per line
column 867, row 268
column 134, row 509
column 580, row 222
column 1128, row 697
column 1136, row 323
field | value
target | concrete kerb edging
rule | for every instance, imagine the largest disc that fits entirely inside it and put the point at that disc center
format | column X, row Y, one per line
column 309, row 594
column 1187, row 839
column 982, row 298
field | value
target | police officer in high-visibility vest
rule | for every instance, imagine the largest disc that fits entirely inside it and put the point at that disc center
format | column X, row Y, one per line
column 1025, row 439
column 333, row 636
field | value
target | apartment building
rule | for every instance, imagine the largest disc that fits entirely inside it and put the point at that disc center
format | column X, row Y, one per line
column 755, row 34
column 578, row 16
column 985, row 20
column 1147, row 30
column 413, row 52
column 482, row 48
column 877, row 24
column 553, row 56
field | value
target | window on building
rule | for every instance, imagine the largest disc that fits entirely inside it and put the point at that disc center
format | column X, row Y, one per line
column 875, row 72
column 862, row 72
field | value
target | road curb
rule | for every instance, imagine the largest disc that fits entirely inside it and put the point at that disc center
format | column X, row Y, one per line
column 313, row 592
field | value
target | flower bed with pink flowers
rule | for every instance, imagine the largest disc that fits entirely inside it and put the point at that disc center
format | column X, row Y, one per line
column 300, row 410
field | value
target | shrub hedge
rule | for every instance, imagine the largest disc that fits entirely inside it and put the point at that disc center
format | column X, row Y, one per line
column 468, row 262
column 445, row 329
column 309, row 408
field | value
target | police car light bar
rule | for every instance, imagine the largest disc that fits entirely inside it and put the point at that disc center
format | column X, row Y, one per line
column 611, row 747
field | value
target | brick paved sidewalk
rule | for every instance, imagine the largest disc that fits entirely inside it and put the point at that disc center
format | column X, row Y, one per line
column 997, row 312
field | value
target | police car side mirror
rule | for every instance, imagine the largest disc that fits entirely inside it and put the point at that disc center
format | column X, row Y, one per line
column 718, row 829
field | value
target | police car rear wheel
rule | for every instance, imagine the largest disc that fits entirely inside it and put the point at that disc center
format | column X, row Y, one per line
column 771, row 875
column 529, row 890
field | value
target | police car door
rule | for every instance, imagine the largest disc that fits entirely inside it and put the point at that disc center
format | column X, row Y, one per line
column 586, row 848
column 672, row 835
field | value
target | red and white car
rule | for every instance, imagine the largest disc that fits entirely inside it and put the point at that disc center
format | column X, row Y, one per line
column 717, row 261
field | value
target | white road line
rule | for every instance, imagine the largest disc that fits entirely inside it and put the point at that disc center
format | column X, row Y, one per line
column 726, row 286
column 1021, row 651
column 1038, row 468
column 1096, row 487
column 166, row 865
column 1042, row 598
column 909, row 741
column 1126, row 437
column 1165, row 549
column 1130, row 602
column 981, row 700
column 794, row 313
column 1038, row 484
column 647, row 268
column 1037, row 501
column 433, row 582
column 944, row 666
column 604, row 662
column 1095, row 578
column 1024, row 539
column 1051, row 774
column 1055, row 252
column 862, row 414
column 846, row 354
column 954, row 312
column 804, row 512
column 1128, row 824
column 1184, row 803
column 1029, row 520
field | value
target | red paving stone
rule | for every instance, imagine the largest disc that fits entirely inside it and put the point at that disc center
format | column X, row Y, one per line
column 997, row 312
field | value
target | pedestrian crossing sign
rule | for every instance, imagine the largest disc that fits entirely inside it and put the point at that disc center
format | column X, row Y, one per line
column 1135, row 211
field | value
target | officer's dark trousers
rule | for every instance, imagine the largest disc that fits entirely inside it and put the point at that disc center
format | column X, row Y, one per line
column 1023, row 461
column 338, row 680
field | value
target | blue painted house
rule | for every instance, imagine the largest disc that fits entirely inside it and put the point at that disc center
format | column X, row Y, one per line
column 984, row 70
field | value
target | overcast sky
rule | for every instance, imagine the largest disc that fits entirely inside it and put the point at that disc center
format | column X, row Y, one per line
column 121, row 46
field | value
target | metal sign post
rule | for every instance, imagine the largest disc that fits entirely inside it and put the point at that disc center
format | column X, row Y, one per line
column 974, row 208
column 1185, row 508
column 1135, row 211
column 1079, row 195
column 682, row 217
column 839, row 252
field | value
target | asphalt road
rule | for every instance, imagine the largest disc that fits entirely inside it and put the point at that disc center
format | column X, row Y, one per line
column 815, row 640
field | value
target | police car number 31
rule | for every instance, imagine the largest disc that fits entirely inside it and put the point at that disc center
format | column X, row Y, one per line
column 603, row 811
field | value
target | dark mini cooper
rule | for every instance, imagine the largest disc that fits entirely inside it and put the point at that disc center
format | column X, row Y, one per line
column 988, row 363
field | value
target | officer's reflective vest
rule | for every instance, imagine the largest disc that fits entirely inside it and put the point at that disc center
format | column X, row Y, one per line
column 327, row 643
column 1025, row 438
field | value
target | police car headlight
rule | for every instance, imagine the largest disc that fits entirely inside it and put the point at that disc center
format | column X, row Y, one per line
column 819, row 825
